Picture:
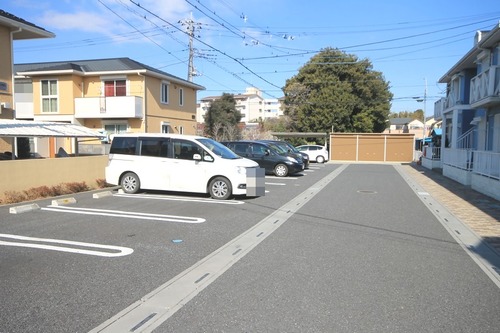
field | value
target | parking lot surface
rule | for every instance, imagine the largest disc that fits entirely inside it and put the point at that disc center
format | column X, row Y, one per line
column 335, row 248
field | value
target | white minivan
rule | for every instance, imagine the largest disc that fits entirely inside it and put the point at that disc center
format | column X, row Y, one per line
column 174, row 162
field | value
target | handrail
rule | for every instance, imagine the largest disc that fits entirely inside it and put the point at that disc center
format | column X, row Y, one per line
column 465, row 140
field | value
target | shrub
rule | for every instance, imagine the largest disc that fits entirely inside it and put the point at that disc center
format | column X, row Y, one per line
column 14, row 196
column 35, row 193
column 101, row 183
column 38, row 192
column 76, row 187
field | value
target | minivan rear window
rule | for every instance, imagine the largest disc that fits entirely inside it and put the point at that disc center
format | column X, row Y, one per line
column 123, row 145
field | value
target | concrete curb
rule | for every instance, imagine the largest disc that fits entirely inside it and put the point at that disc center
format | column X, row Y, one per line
column 102, row 194
column 23, row 208
column 65, row 201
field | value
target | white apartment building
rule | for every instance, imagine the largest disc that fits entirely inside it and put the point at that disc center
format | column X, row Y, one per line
column 251, row 104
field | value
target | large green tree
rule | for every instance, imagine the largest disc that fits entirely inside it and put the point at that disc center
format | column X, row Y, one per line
column 337, row 92
column 222, row 118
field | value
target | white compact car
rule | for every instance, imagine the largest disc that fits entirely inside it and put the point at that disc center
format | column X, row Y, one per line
column 316, row 152
column 180, row 163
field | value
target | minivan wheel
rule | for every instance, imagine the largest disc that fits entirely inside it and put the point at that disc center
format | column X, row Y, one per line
column 320, row 159
column 220, row 188
column 281, row 170
column 130, row 183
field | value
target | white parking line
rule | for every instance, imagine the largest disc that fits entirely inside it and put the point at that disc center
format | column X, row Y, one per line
column 117, row 251
column 278, row 184
column 173, row 198
column 121, row 213
column 281, row 178
column 153, row 309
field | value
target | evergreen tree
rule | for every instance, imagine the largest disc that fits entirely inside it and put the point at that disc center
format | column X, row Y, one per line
column 222, row 118
column 337, row 92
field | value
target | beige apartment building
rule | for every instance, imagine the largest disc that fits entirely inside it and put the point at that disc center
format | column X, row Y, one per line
column 107, row 95
column 12, row 28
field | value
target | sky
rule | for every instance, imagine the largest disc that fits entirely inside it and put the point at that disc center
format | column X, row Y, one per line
column 262, row 43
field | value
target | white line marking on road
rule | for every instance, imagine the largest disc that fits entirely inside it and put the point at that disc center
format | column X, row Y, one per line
column 153, row 309
column 281, row 178
column 118, row 251
column 173, row 198
column 120, row 213
column 278, row 184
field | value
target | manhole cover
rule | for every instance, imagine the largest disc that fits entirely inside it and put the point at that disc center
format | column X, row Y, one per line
column 367, row 192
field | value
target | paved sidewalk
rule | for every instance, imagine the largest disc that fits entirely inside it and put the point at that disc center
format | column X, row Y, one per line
column 478, row 211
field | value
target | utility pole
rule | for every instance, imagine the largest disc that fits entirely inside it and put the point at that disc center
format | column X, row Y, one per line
column 191, row 28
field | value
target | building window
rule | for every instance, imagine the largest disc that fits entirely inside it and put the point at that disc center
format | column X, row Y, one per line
column 165, row 127
column 115, row 128
column 181, row 130
column 181, row 97
column 164, row 92
column 115, row 88
column 49, row 95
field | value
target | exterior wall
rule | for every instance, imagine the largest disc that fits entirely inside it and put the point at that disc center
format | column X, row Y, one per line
column 67, row 88
column 369, row 147
column 6, row 96
column 26, row 174
column 175, row 114
column 485, row 185
column 459, row 175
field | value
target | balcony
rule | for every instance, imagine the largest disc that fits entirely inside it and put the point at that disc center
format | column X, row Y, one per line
column 109, row 107
column 439, row 108
column 485, row 88
column 452, row 101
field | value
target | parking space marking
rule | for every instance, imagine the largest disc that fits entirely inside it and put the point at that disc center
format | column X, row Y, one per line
column 174, row 198
column 281, row 178
column 151, row 310
column 278, row 184
column 42, row 243
column 125, row 214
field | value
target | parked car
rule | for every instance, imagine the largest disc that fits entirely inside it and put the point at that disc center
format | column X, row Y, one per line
column 269, row 156
column 289, row 148
column 181, row 163
column 316, row 152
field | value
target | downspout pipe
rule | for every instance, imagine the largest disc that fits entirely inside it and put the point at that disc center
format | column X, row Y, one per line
column 144, row 102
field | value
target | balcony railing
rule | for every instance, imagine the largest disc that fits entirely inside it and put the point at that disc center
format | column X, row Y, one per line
column 453, row 100
column 485, row 88
column 458, row 158
column 487, row 164
column 439, row 108
column 109, row 107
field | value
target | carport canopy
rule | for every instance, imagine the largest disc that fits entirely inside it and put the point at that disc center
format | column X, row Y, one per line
column 300, row 134
column 26, row 128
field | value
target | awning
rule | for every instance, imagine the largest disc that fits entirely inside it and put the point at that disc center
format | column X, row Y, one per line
column 437, row 131
column 26, row 128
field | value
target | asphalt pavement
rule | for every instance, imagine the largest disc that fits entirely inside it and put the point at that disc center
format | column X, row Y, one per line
column 337, row 248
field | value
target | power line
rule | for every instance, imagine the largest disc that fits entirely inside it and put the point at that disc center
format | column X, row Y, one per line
column 206, row 44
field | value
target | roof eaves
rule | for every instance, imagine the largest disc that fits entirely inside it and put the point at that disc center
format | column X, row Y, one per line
column 28, row 30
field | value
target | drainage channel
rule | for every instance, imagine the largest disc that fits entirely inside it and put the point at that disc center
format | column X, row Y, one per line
column 155, row 308
column 478, row 249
